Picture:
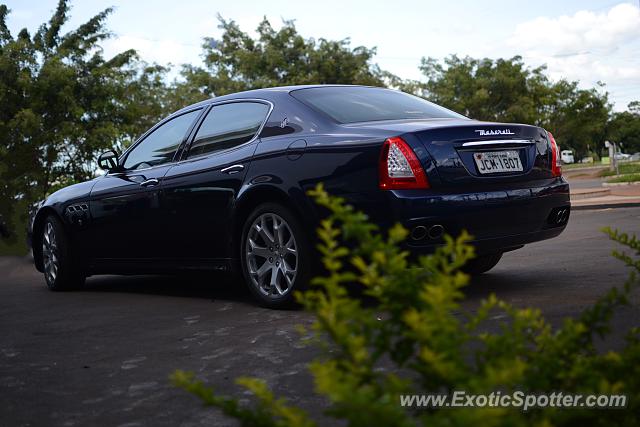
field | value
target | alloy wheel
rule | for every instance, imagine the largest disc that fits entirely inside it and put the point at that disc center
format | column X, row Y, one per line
column 271, row 255
column 50, row 253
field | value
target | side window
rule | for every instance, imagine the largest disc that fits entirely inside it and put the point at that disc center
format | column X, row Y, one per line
column 160, row 146
column 227, row 126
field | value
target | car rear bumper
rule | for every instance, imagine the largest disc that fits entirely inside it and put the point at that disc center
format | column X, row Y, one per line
column 495, row 244
column 497, row 220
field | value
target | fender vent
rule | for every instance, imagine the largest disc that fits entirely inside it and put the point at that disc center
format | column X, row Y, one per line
column 77, row 208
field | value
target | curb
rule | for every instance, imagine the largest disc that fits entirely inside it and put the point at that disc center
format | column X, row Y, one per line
column 586, row 168
column 591, row 193
column 619, row 184
column 605, row 206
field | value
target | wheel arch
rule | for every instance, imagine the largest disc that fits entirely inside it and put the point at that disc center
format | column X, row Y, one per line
column 295, row 201
column 36, row 238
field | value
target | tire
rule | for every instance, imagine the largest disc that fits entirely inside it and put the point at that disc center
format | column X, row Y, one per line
column 482, row 264
column 274, row 264
column 61, row 272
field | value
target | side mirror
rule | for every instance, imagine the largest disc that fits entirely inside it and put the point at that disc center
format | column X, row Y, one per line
column 108, row 161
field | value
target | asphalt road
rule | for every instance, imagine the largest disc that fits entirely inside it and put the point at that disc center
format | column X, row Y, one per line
column 581, row 183
column 102, row 356
column 581, row 179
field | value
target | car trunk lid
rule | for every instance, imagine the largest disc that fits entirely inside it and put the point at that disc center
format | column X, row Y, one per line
column 486, row 155
column 462, row 155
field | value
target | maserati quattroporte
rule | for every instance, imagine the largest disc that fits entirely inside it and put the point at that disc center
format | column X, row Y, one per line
column 222, row 185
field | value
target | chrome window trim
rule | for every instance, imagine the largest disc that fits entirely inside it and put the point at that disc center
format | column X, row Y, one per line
column 211, row 107
column 133, row 171
column 144, row 136
column 206, row 109
column 498, row 142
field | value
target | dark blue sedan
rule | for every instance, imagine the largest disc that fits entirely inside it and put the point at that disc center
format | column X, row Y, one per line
column 221, row 185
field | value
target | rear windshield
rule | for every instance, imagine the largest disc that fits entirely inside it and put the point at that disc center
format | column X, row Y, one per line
column 365, row 104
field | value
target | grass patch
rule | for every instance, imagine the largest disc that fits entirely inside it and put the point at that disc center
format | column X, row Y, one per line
column 624, row 168
column 580, row 165
column 632, row 177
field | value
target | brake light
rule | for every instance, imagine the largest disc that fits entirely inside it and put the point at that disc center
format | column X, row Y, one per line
column 400, row 169
column 556, row 164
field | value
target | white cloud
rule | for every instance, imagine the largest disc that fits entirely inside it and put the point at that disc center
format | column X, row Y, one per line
column 582, row 32
column 588, row 46
column 165, row 51
column 162, row 51
column 588, row 68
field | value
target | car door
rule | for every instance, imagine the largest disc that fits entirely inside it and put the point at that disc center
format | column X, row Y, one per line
column 200, row 190
column 128, row 219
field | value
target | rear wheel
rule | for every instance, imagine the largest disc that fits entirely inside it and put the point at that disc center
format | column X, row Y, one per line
column 61, row 272
column 274, row 255
column 482, row 264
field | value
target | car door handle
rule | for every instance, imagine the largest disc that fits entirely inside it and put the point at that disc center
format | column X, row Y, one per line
column 149, row 182
column 232, row 169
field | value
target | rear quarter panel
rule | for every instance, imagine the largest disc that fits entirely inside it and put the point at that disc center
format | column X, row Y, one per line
column 346, row 164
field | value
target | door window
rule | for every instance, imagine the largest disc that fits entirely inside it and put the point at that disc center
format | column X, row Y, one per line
column 227, row 126
column 160, row 146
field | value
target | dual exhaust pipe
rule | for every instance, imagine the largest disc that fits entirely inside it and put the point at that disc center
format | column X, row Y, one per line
column 559, row 216
column 433, row 232
column 562, row 215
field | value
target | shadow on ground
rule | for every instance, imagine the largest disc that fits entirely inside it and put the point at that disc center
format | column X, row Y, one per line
column 225, row 288
column 217, row 286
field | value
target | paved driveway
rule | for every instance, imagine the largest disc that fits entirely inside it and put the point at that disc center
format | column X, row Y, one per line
column 102, row 356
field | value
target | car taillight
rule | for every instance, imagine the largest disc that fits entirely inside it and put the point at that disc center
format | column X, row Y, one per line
column 400, row 169
column 556, row 164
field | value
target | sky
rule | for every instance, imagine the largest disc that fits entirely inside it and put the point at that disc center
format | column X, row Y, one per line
column 585, row 40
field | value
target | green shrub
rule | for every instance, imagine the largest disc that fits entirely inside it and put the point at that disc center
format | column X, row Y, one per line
column 632, row 177
column 424, row 343
column 624, row 169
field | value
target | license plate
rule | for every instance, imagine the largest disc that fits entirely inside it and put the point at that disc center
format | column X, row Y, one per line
column 498, row 161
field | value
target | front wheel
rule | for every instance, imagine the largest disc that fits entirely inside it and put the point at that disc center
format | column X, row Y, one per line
column 274, row 255
column 61, row 272
column 482, row 264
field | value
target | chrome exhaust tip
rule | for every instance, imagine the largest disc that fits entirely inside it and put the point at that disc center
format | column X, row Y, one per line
column 559, row 216
column 562, row 216
column 435, row 232
column 418, row 233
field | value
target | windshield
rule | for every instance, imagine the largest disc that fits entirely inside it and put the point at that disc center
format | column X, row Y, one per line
column 352, row 104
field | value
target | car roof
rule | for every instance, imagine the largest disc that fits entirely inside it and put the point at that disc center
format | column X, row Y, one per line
column 287, row 89
column 266, row 93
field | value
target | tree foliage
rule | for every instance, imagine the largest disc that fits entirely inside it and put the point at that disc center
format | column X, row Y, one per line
column 578, row 117
column 237, row 62
column 624, row 128
column 506, row 90
column 62, row 102
column 415, row 339
column 484, row 89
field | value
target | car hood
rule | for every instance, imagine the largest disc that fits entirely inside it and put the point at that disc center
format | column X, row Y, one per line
column 72, row 193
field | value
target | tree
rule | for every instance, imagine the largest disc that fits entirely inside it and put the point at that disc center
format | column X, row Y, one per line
column 624, row 128
column 578, row 117
column 237, row 62
column 62, row 102
column 486, row 89
column 506, row 90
